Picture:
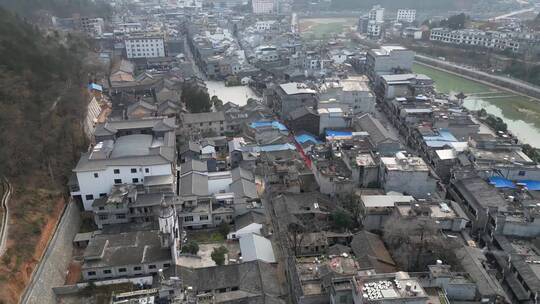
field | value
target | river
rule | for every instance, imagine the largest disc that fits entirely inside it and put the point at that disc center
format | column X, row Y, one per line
column 238, row 94
column 521, row 114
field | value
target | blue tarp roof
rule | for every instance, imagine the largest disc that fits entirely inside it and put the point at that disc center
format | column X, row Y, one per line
column 307, row 137
column 501, row 182
column 275, row 124
column 95, row 86
column 333, row 133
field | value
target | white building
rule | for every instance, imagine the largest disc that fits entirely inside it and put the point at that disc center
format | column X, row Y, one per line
column 147, row 160
column 406, row 15
column 265, row 25
column 376, row 14
column 353, row 92
column 145, row 46
column 388, row 59
column 92, row 26
column 374, row 29
column 332, row 118
column 262, row 7
column 472, row 37
column 407, row 174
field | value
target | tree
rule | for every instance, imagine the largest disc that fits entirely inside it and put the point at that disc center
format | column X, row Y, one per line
column 342, row 220
column 195, row 99
column 455, row 22
column 295, row 234
column 224, row 229
column 216, row 102
column 418, row 242
column 191, row 247
column 218, row 255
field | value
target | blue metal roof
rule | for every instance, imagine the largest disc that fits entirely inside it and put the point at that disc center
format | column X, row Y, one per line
column 275, row 124
column 501, row 182
column 307, row 137
column 95, row 86
column 531, row 184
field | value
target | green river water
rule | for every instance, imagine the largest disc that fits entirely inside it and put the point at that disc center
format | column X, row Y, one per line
column 521, row 114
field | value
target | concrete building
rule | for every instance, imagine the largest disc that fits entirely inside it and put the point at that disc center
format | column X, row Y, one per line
column 288, row 97
column 406, row 15
column 353, row 92
column 145, row 46
column 375, row 29
column 375, row 210
column 388, row 60
column 448, row 215
column 92, row 26
column 208, row 122
column 387, row 288
column 407, row 174
column 146, row 157
column 383, row 141
column 264, row 7
column 376, row 13
column 332, row 118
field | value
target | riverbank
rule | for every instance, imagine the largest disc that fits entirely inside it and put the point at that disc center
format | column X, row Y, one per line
column 519, row 112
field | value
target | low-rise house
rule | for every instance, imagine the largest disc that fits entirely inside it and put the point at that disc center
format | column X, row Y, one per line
column 304, row 119
column 448, row 215
column 113, row 254
column 375, row 210
column 382, row 140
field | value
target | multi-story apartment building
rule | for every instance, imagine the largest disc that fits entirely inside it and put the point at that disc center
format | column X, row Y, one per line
column 406, row 15
column 263, row 6
column 477, row 38
column 92, row 26
column 145, row 46
column 376, row 13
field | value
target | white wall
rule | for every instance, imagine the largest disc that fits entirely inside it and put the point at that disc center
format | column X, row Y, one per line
column 145, row 48
column 89, row 184
column 415, row 183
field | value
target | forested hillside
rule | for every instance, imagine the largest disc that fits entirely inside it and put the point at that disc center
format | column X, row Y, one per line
column 42, row 102
column 61, row 8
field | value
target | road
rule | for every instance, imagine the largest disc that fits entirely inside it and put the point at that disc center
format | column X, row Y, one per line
column 5, row 218
column 519, row 12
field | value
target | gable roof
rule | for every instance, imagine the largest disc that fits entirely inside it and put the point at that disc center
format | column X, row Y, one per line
column 376, row 130
column 256, row 247
column 371, row 253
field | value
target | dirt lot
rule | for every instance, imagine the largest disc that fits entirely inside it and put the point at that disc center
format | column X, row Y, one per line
column 34, row 213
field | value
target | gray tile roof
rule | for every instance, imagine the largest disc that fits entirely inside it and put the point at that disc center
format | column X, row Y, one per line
column 194, row 184
column 127, row 248
column 191, row 118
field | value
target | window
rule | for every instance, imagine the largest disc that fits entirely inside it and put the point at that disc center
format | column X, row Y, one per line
column 101, row 208
column 137, row 268
column 166, row 265
column 116, row 171
column 107, row 271
column 89, row 197
column 120, row 216
column 117, row 180
column 122, row 270
column 203, row 217
column 102, row 194
column 201, row 124
column 217, row 218
column 96, row 175
column 103, row 217
column 188, row 219
column 146, row 170
column 135, row 180
column 133, row 170
column 521, row 173
column 151, row 266
column 91, row 273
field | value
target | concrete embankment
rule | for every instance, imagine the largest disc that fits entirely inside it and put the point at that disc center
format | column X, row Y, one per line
column 500, row 82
